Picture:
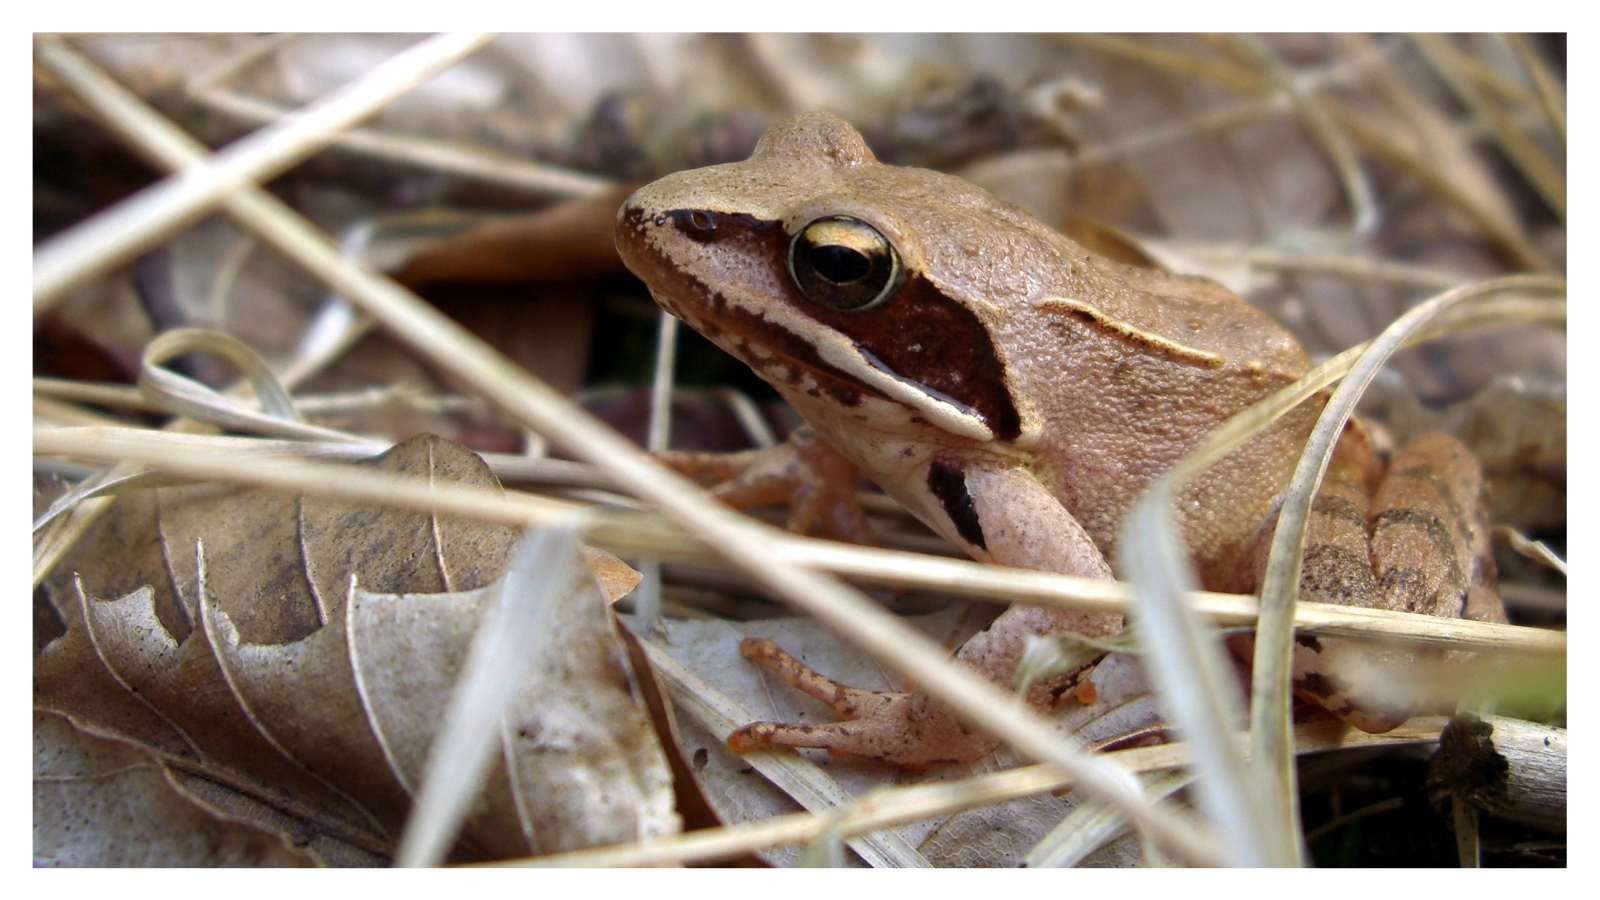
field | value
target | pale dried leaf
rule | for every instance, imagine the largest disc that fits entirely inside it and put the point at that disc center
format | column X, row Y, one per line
column 583, row 755
column 405, row 653
column 187, row 688
column 584, row 764
column 303, row 698
column 101, row 802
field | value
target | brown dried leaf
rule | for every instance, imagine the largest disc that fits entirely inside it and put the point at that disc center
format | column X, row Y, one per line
column 269, row 708
column 572, row 241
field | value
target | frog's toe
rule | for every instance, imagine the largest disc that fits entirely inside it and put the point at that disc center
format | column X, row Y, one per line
column 845, row 701
column 910, row 736
column 906, row 730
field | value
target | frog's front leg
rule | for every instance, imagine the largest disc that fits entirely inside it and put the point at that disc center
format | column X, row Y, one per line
column 807, row 474
column 1000, row 514
column 1412, row 538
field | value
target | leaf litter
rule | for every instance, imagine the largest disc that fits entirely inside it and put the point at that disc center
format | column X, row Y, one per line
column 257, row 671
column 1149, row 190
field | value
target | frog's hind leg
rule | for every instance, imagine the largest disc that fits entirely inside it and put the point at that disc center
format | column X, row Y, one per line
column 1430, row 540
column 1412, row 539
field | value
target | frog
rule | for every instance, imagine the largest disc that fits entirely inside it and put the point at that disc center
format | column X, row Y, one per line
column 1017, row 392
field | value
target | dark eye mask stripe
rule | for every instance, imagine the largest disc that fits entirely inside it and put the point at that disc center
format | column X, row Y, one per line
column 919, row 335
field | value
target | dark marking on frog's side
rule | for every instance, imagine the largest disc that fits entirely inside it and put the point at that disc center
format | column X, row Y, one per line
column 1431, row 526
column 1317, row 685
column 1336, row 575
column 1309, row 641
column 1340, row 509
column 948, row 484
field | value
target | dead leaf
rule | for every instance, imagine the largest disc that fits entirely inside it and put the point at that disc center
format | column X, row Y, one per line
column 236, row 667
column 100, row 802
column 574, row 708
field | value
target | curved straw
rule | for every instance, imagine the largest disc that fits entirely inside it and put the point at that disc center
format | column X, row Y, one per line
column 1275, row 627
column 186, row 397
column 1271, row 740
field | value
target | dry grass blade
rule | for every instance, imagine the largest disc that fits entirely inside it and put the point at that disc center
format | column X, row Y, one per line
column 1551, row 94
column 334, row 482
column 347, row 448
column 119, row 396
column 1359, row 268
column 1357, row 188
column 1534, row 550
column 628, row 533
column 1450, row 63
column 1092, row 824
column 1194, row 681
column 165, row 390
column 647, row 602
column 895, row 806
column 55, row 413
column 438, row 156
column 547, row 562
column 115, row 236
column 124, row 397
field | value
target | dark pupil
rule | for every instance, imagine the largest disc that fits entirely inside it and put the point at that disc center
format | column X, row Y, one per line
column 839, row 264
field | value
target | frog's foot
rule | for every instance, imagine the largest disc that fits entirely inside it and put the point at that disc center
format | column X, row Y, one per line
column 907, row 730
column 815, row 481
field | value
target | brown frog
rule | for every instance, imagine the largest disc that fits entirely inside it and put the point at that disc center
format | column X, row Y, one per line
column 1017, row 393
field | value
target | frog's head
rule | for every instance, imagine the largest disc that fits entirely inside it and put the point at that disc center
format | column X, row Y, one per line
column 810, row 261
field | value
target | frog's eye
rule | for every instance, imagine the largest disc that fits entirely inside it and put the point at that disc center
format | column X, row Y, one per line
column 843, row 263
